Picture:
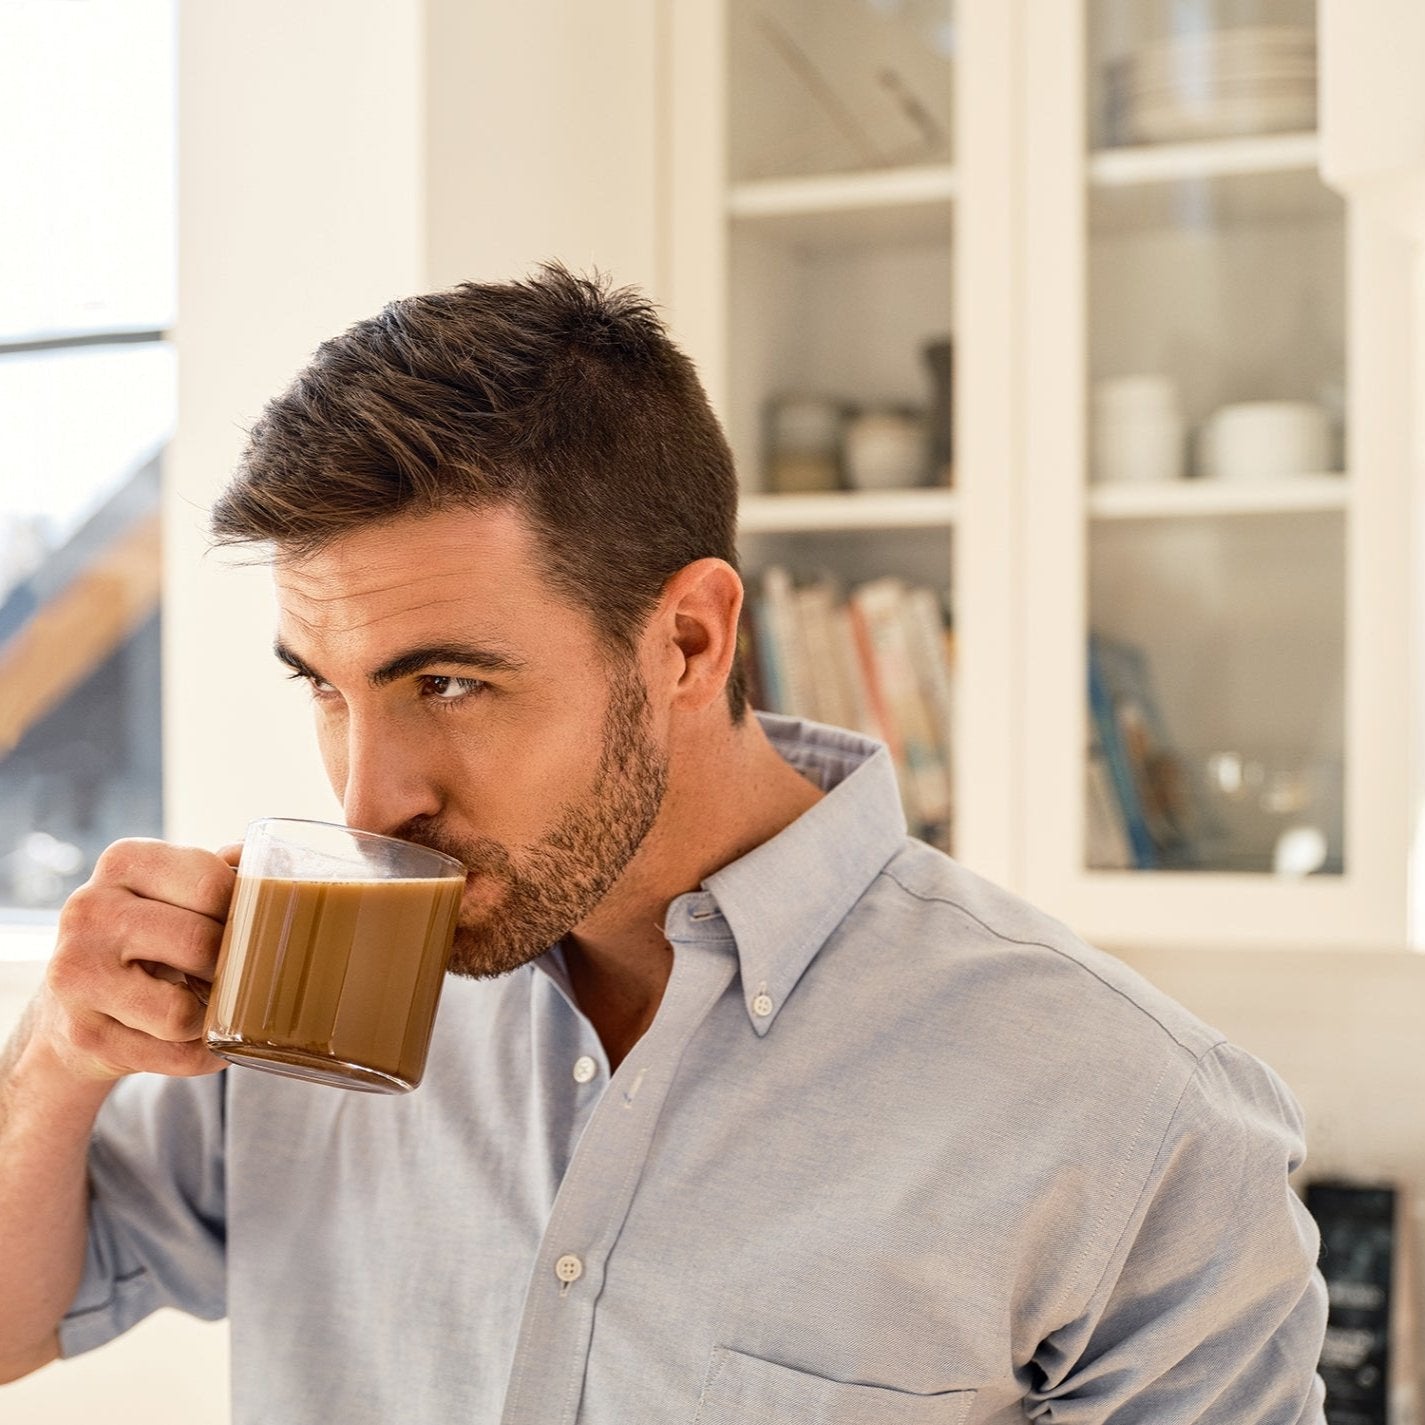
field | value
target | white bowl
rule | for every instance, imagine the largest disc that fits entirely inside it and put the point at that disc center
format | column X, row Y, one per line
column 1143, row 448
column 1265, row 440
column 885, row 450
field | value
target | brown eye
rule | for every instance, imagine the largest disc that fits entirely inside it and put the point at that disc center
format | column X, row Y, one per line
column 446, row 689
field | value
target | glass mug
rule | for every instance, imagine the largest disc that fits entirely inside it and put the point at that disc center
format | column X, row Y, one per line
column 333, row 956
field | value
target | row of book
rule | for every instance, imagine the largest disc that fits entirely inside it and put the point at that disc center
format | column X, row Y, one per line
column 878, row 659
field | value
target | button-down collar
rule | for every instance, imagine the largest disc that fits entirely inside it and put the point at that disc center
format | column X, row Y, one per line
column 781, row 900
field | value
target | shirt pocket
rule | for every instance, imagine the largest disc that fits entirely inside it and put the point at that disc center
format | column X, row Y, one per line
column 744, row 1390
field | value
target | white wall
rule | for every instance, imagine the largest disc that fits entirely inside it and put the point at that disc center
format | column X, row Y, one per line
column 335, row 155
column 300, row 211
column 543, row 139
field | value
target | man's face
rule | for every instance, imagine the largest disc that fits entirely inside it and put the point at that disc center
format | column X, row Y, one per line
column 462, row 705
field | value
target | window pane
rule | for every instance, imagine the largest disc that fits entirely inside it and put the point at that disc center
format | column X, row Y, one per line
column 87, row 146
column 79, row 617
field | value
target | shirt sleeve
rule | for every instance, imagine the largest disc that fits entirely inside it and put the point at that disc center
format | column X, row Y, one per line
column 1211, row 1309
column 157, row 1212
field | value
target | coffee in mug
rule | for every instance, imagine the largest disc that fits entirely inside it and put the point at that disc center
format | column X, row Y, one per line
column 333, row 956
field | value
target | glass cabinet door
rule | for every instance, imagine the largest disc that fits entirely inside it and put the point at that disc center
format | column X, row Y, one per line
column 840, row 273
column 1197, row 625
column 1216, row 507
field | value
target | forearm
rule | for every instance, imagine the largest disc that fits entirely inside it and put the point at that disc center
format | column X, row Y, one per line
column 46, row 1115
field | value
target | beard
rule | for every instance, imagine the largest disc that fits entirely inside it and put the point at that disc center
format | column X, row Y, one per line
column 553, row 885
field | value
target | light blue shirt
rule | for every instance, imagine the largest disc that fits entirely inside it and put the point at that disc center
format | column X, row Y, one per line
column 896, row 1150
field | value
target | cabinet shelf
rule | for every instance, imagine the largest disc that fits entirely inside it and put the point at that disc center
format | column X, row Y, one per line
column 1299, row 494
column 1226, row 183
column 848, row 510
column 876, row 205
column 1217, row 158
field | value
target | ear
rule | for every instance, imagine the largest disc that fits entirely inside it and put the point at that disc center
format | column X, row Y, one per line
column 695, row 633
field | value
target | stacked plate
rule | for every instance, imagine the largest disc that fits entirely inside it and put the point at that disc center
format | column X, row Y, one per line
column 1255, row 80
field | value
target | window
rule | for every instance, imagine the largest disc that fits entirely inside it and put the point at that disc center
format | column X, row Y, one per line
column 87, row 404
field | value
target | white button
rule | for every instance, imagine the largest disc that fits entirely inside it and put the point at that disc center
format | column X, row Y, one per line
column 569, row 1268
column 762, row 1006
column 584, row 1069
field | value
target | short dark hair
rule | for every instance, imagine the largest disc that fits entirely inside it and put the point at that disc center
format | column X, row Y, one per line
column 559, row 395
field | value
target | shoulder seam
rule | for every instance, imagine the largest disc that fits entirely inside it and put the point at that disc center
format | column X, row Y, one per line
column 1192, row 1053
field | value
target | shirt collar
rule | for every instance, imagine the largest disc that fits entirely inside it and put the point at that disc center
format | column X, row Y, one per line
column 783, row 899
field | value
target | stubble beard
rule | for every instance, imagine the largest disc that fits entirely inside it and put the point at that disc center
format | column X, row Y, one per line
column 552, row 886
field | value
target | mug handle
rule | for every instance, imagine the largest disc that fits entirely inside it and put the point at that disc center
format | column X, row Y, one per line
column 201, row 989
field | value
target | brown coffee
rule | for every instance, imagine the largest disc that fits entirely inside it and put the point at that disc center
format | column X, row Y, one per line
column 336, row 981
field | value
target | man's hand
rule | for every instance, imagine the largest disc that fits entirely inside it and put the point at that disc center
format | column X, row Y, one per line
column 115, row 999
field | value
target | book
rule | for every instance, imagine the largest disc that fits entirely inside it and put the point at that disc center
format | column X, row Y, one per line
column 764, row 648
column 852, row 669
column 749, row 654
column 883, row 726
column 1110, row 743
column 930, row 647
column 796, row 694
column 1148, row 775
column 816, row 605
column 932, row 651
column 926, row 777
column 1106, row 846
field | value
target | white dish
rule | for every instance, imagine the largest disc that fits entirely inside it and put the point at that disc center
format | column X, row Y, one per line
column 1264, row 440
column 1180, row 122
column 1137, row 429
column 885, row 450
column 1201, row 69
column 1138, row 448
column 1212, row 84
column 1249, row 39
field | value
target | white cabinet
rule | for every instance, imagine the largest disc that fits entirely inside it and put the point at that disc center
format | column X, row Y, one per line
column 1181, row 393
column 820, row 244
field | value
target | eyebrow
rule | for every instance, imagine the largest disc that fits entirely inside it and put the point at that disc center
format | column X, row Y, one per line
column 415, row 660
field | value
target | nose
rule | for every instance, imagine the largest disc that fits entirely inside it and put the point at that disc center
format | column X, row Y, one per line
column 386, row 779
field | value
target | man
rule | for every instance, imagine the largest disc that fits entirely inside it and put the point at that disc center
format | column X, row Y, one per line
column 742, row 1106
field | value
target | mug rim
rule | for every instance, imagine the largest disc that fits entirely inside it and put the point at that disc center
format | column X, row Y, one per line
column 356, row 831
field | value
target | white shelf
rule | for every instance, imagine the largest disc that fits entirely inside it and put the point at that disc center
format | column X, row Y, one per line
column 849, row 510
column 842, row 192
column 1227, row 183
column 877, row 205
column 1299, row 494
column 1217, row 158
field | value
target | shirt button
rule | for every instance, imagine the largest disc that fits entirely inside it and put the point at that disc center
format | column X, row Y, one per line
column 584, row 1069
column 762, row 1006
column 568, row 1268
